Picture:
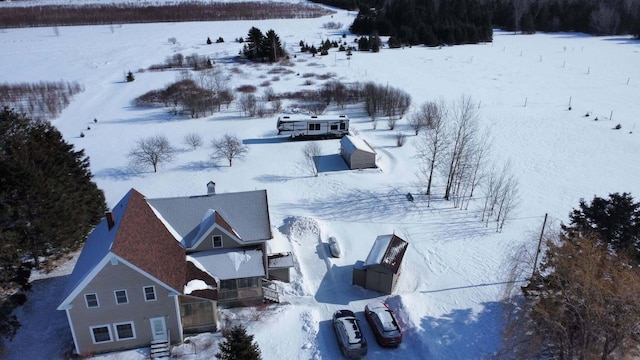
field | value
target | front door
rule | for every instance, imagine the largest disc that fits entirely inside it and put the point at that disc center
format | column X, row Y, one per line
column 158, row 328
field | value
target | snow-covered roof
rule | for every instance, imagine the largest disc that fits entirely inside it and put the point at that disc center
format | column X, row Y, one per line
column 246, row 213
column 388, row 251
column 352, row 143
column 197, row 284
column 96, row 248
column 281, row 260
column 229, row 263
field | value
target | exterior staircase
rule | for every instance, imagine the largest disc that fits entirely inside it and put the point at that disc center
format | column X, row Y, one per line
column 270, row 291
column 160, row 349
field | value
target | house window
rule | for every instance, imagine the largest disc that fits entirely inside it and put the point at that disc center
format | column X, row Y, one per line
column 247, row 283
column 149, row 293
column 217, row 241
column 314, row 126
column 100, row 334
column 228, row 284
column 91, row 300
column 125, row 331
column 121, row 296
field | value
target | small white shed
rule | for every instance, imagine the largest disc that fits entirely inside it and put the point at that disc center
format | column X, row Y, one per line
column 357, row 153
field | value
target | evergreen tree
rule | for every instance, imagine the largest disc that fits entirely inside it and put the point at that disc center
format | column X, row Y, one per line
column 526, row 24
column 363, row 44
column 254, row 39
column 271, row 47
column 375, row 43
column 49, row 202
column 393, row 42
column 238, row 345
column 615, row 221
column 263, row 47
column 326, row 45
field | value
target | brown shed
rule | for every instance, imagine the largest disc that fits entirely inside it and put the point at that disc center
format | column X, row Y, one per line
column 380, row 271
column 357, row 153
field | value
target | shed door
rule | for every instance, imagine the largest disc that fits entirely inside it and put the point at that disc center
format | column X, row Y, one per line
column 158, row 328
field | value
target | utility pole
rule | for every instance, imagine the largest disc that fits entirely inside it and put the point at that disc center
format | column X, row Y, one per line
column 535, row 261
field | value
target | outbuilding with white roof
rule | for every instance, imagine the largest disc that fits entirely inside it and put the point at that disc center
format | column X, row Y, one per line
column 357, row 153
column 381, row 269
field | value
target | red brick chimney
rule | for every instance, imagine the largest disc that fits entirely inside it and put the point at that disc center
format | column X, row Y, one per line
column 109, row 216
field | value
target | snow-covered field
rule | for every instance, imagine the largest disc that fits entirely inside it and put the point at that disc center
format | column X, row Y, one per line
column 448, row 295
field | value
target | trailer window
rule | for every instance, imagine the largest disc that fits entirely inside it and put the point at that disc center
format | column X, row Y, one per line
column 314, row 126
column 343, row 125
column 334, row 127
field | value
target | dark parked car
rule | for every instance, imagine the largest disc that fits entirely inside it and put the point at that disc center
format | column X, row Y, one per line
column 350, row 338
column 384, row 324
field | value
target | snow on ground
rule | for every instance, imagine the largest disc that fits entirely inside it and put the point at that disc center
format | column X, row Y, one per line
column 447, row 298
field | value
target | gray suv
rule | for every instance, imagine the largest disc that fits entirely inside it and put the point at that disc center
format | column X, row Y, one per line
column 350, row 338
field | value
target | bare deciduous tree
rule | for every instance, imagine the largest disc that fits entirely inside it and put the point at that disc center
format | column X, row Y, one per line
column 582, row 304
column 509, row 200
column 478, row 163
column 248, row 104
column 463, row 129
column 431, row 146
column 229, row 147
column 311, row 153
column 419, row 119
column 391, row 122
column 193, row 140
column 501, row 196
column 217, row 82
column 153, row 151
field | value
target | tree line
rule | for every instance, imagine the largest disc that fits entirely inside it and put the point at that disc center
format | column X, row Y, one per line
column 108, row 14
column 428, row 22
column 602, row 17
column 42, row 100
column 436, row 23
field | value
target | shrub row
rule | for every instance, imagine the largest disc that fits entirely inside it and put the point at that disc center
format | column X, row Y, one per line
column 108, row 14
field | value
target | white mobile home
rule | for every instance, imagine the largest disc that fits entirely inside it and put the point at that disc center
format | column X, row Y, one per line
column 314, row 126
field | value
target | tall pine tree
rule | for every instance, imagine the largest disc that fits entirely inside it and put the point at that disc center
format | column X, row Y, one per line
column 615, row 221
column 238, row 345
column 48, row 201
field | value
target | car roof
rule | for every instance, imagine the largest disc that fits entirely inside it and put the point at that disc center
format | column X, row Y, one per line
column 353, row 330
column 384, row 314
column 343, row 313
column 377, row 304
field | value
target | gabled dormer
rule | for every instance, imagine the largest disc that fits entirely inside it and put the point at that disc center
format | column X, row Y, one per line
column 214, row 232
